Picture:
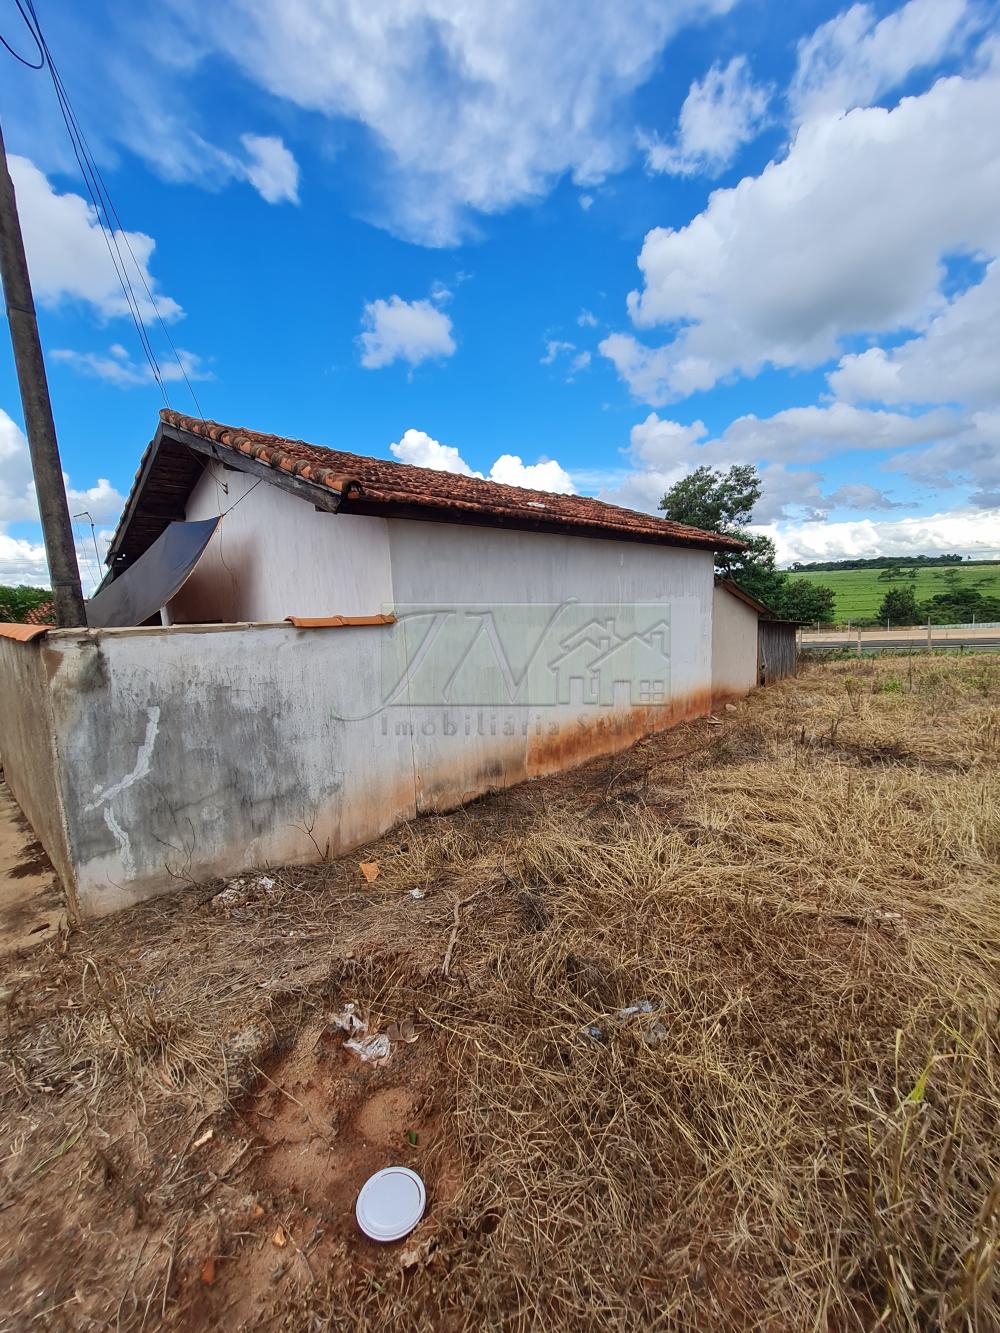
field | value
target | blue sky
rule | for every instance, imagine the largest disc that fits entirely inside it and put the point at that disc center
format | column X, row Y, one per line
column 582, row 247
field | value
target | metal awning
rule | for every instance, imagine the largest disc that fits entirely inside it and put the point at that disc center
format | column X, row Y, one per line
column 158, row 574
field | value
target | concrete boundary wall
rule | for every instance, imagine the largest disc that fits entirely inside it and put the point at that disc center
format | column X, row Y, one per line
column 148, row 758
column 28, row 751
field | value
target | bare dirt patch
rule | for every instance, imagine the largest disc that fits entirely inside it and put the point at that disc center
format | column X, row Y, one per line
column 716, row 1047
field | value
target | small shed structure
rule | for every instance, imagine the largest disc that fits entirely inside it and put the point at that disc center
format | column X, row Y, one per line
column 750, row 644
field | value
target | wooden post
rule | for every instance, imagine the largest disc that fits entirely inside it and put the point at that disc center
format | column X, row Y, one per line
column 53, row 509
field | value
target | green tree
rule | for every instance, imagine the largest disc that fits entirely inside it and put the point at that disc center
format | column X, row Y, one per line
column 724, row 502
column 960, row 606
column 15, row 603
column 893, row 572
column 798, row 599
column 899, row 607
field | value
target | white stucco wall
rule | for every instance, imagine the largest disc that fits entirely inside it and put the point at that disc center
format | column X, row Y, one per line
column 274, row 555
column 183, row 753
column 190, row 751
column 28, row 748
column 492, row 572
column 734, row 645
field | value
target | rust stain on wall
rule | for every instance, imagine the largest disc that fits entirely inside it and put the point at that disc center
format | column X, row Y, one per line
column 722, row 697
column 580, row 739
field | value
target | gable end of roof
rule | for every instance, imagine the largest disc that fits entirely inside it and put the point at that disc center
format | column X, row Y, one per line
column 352, row 483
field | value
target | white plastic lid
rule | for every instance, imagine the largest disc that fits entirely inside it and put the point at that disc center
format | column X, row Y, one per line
column 391, row 1203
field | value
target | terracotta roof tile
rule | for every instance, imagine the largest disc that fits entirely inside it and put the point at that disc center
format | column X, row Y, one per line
column 367, row 482
column 10, row 629
column 338, row 622
column 43, row 614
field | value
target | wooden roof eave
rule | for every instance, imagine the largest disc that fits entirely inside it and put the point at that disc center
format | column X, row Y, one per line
column 171, row 507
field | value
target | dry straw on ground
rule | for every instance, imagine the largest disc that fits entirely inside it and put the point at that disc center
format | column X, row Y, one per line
column 717, row 1049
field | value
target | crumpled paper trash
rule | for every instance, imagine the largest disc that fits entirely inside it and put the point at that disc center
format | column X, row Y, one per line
column 376, row 1048
column 349, row 1021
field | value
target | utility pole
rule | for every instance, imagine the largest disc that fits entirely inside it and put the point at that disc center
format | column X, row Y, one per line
column 53, row 509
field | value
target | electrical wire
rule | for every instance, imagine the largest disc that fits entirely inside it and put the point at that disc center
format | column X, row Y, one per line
column 113, row 231
column 110, row 240
column 111, row 211
column 41, row 54
column 242, row 498
column 81, row 545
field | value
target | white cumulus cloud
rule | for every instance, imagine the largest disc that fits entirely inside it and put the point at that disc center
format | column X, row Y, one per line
column 271, row 168
column 23, row 562
column 941, row 447
column 853, row 59
column 953, row 360
column 472, row 108
column 398, row 330
column 720, row 114
column 555, row 348
column 846, row 235
column 422, row 450
column 546, row 475
column 967, row 533
column 116, row 366
column 17, row 488
column 68, row 256
column 970, row 457
column 573, row 360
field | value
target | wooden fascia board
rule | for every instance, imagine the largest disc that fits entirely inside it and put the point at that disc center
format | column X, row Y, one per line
column 321, row 497
column 138, row 487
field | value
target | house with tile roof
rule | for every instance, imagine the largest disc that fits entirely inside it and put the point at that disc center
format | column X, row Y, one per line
column 295, row 648
column 309, row 531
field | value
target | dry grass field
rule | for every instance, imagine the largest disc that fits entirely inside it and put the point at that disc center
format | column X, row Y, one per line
column 706, row 1037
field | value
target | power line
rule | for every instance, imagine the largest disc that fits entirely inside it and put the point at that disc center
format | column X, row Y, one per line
column 82, row 551
column 103, row 205
column 112, row 212
column 241, row 499
column 83, row 162
column 41, row 55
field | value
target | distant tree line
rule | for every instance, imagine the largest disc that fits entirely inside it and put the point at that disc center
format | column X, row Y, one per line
column 723, row 502
column 956, row 604
column 876, row 562
column 15, row 603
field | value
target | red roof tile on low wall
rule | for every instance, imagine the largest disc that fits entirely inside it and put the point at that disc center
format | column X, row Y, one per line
column 10, row 629
column 338, row 622
column 373, row 481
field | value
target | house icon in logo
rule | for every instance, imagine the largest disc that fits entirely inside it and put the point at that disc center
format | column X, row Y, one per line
column 601, row 665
